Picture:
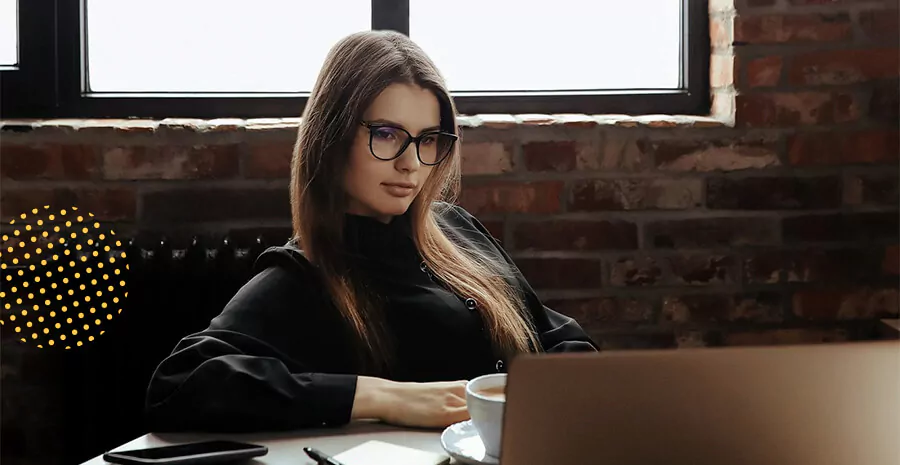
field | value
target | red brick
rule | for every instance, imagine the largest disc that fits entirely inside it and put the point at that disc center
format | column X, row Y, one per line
column 764, row 268
column 841, row 67
column 270, row 160
column 702, row 269
column 710, row 232
column 891, row 262
column 714, row 155
column 758, row 3
column 763, row 307
column 885, row 102
column 721, row 70
column 635, row 271
column 642, row 339
column 171, row 162
column 833, row 147
column 846, row 304
column 617, row 151
column 485, row 158
column 576, row 235
column 550, row 156
column 717, row 308
column 635, row 194
column 561, row 273
column 690, row 338
column 792, row 28
column 786, row 336
column 602, row 312
column 773, row 193
column 872, row 189
column 812, row 265
column 829, row 2
column 512, row 197
column 48, row 161
column 881, row 25
column 496, row 229
column 795, row 109
column 683, row 269
column 830, row 266
column 764, row 72
column 844, row 227
column 194, row 205
column 104, row 203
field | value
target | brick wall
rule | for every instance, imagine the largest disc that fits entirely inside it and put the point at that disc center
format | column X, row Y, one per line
column 774, row 222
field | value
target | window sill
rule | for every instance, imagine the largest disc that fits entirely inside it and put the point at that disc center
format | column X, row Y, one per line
column 493, row 121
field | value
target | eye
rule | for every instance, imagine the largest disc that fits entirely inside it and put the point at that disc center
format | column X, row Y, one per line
column 429, row 139
column 384, row 133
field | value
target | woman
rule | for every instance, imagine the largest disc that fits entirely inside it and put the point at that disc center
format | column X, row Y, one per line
column 397, row 297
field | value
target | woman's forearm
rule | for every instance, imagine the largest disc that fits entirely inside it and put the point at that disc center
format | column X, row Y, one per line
column 431, row 404
column 372, row 398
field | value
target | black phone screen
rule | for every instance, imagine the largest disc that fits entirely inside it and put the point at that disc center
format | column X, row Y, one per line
column 182, row 450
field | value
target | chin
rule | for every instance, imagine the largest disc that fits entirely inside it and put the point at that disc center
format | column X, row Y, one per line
column 390, row 206
column 396, row 207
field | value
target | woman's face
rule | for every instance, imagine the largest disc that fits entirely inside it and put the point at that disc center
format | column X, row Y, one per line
column 384, row 189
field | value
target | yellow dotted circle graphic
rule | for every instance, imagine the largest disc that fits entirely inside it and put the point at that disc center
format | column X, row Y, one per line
column 62, row 278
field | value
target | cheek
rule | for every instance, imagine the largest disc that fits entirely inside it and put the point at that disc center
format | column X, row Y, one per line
column 363, row 172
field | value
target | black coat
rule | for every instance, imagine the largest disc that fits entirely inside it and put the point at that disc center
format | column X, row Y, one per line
column 279, row 356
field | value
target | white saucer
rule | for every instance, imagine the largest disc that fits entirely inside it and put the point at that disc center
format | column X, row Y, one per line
column 462, row 442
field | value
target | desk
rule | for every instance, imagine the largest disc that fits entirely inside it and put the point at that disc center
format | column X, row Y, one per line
column 286, row 448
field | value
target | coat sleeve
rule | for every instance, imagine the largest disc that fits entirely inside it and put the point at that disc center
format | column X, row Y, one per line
column 235, row 377
column 557, row 332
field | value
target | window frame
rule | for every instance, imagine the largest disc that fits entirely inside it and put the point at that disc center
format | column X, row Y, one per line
column 49, row 79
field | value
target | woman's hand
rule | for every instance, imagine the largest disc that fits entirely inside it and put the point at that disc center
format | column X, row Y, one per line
column 424, row 405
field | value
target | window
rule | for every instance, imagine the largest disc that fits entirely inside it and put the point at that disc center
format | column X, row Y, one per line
column 208, row 58
column 9, row 34
column 214, row 46
column 589, row 46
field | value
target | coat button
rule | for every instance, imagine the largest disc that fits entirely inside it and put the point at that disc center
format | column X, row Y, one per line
column 499, row 366
column 471, row 304
column 423, row 267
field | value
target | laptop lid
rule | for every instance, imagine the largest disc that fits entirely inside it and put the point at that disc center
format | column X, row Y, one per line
column 836, row 404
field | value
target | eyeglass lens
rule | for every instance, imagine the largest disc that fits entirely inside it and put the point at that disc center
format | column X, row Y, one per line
column 387, row 143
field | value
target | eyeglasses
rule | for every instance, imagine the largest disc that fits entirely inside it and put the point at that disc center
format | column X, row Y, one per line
column 387, row 142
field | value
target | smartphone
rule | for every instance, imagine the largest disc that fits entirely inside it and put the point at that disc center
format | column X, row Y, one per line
column 188, row 454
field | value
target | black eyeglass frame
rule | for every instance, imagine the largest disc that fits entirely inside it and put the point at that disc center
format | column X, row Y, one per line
column 409, row 138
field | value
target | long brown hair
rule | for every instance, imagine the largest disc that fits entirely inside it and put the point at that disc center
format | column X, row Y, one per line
column 356, row 70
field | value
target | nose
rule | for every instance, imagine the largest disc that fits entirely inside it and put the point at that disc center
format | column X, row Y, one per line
column 408, row 160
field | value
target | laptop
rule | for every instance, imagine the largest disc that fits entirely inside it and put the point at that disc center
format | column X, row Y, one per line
column 822, row 404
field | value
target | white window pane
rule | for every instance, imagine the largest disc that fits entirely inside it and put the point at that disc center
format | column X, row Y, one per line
column 215, row 45
column 9, row 33
column 489, row 45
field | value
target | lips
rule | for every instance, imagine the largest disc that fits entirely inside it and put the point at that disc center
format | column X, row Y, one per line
column 404, row 185
column 399, row 189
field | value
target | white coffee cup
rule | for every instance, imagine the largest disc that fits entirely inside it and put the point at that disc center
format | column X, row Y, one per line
column 486, row 401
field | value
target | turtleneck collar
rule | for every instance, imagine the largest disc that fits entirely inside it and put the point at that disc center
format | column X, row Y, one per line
column 368, row 238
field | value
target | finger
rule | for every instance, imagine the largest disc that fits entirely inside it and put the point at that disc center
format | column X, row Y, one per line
column 456, row 415
column 457, row 401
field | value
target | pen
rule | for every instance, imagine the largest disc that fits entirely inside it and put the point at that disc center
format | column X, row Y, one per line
column 319, row 457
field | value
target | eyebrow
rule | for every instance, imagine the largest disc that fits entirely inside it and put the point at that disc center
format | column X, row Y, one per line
column 394, row 123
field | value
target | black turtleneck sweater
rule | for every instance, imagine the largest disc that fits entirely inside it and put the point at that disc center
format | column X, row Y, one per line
column 280, row 357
